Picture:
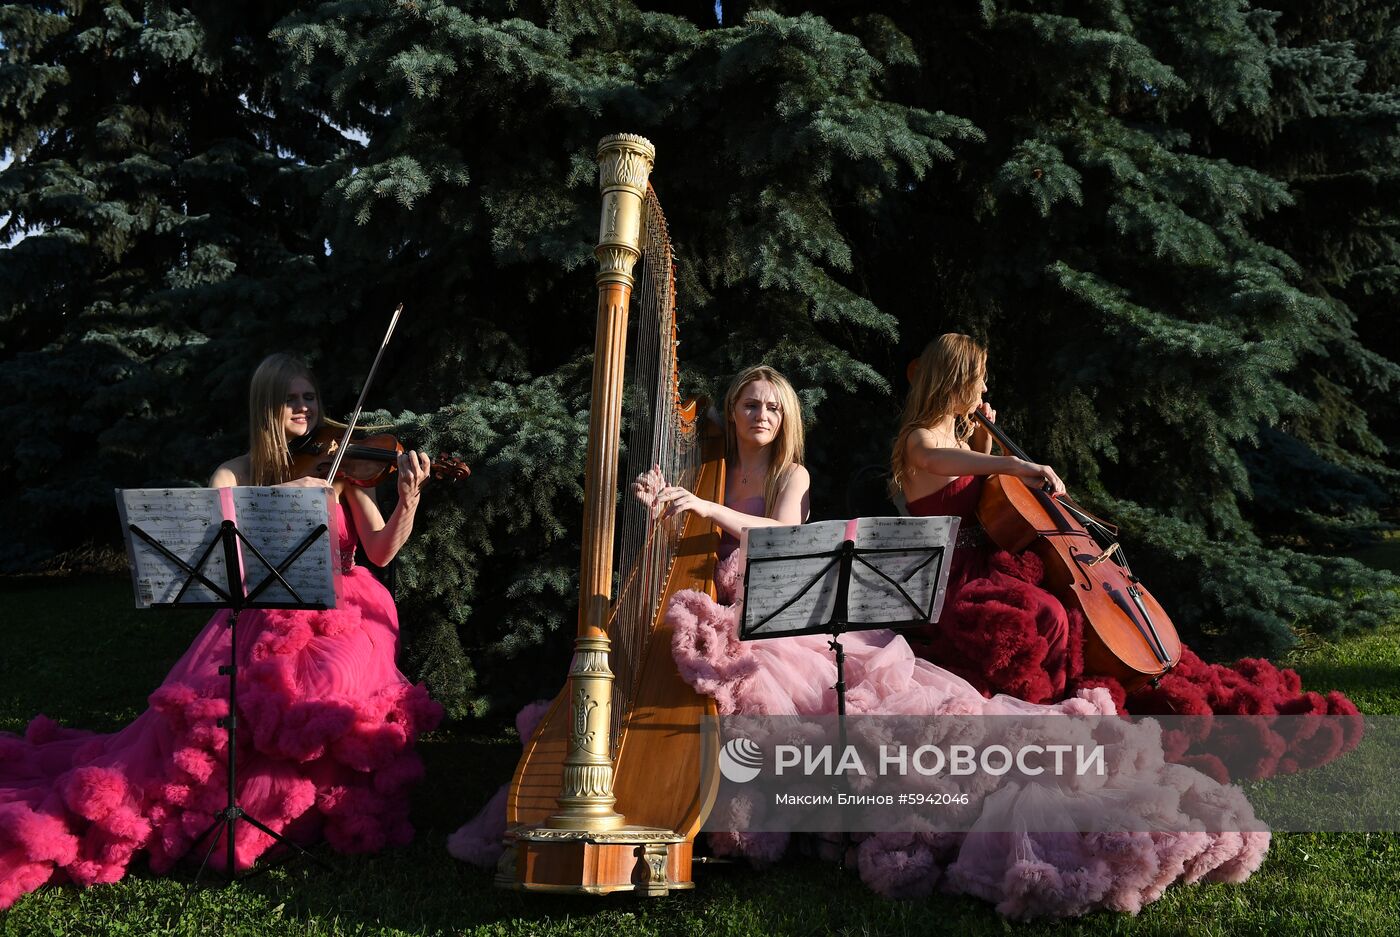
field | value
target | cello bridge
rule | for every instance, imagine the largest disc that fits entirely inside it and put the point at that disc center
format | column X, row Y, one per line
column 1103, row 556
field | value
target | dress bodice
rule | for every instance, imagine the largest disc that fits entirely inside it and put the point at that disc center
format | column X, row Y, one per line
column 754, row 506
column 959, row 497
column 346, row 541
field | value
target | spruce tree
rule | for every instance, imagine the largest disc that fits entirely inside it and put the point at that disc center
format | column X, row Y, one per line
column 479, row 179
column 170, row 199
column 1331, row 131
column 1149, row 331
column 1173, row 225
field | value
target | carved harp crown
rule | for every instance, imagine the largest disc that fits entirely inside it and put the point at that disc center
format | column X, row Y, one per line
column 624, row 764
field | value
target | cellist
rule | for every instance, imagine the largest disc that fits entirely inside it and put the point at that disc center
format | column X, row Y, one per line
column 999, row 630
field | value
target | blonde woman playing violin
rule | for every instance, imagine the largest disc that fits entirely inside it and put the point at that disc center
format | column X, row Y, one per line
column 284, row 405
column 328, row 722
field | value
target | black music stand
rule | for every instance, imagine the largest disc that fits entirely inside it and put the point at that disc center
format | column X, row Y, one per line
column 813, row 585
column 233, row 596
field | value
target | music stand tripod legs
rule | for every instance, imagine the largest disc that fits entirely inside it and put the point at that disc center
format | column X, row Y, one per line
column 226, row 820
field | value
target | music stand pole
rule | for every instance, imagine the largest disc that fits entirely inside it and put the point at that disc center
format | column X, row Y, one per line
column 225, row 822
column 840, row 619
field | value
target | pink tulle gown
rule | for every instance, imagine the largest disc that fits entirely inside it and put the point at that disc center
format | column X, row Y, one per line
column 325, row 744
column 1026, row 873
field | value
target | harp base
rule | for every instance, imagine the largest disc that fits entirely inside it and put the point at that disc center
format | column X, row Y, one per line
column 650, row 862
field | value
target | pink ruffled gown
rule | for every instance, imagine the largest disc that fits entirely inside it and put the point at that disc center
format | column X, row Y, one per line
column 325, row 744
column 1026, row 873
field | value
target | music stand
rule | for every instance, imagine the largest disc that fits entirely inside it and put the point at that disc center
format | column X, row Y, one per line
column 227, row 591
column 835, row 577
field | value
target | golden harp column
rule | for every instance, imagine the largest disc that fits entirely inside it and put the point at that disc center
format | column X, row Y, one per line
column 586, row 799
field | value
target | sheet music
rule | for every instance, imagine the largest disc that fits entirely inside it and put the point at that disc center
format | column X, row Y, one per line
column 783, row 560
column 185, row 521
column 276, row 520
column 772, row 582
column 873, row 600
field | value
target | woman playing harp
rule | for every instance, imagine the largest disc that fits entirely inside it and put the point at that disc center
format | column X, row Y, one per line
column 766, row 482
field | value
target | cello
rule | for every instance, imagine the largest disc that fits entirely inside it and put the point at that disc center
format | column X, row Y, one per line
column 1127, row 634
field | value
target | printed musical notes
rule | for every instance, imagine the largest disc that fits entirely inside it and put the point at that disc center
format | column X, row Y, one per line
column 178, row 518
column 275, row 521
column 186, row 522
column 898, row 574
column 784, row 561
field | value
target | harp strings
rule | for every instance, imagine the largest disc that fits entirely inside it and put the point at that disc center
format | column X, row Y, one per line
column 656, row 436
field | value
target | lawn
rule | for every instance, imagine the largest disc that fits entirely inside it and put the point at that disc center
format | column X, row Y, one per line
column 76, row 651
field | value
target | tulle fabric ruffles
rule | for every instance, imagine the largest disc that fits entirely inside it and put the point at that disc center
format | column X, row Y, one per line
column 325, row 747
column 1004, row 633
column 1007, row 858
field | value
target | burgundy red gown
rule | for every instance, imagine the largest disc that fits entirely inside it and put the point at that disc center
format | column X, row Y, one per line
column 1005, row 634
column 327, row 725
column 999, row 630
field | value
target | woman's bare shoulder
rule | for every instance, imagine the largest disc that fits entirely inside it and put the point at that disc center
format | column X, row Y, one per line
column 925, row 437
column 236, row 471
column 796, row 474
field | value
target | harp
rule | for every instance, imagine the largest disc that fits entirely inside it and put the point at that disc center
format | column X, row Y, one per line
column 621, row 773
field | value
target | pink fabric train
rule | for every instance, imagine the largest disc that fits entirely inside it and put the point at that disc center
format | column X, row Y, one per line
column 1026, row 874
column 326, row 731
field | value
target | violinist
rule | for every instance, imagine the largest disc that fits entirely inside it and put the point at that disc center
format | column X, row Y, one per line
column 999, row 629
column 284, row 406
column 331, row 722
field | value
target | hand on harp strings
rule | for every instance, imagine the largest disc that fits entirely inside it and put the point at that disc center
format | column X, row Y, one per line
column 648, row 486
column 666, row 501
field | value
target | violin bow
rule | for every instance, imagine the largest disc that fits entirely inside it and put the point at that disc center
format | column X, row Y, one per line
column 359, row 404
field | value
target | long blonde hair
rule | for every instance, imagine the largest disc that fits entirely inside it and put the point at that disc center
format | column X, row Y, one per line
column 787, row 448
column 269, row 458
column 947, row 379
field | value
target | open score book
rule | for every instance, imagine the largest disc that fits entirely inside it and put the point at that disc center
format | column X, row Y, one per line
column 186, row 521
column 898, row 574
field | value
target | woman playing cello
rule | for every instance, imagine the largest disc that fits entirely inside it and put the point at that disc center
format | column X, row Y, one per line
column 999, row 629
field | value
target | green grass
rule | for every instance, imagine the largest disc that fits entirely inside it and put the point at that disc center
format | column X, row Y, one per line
column 75, row 650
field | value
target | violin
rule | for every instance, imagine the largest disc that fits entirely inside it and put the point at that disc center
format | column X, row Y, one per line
column 1127, row 634
column 367, row 462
